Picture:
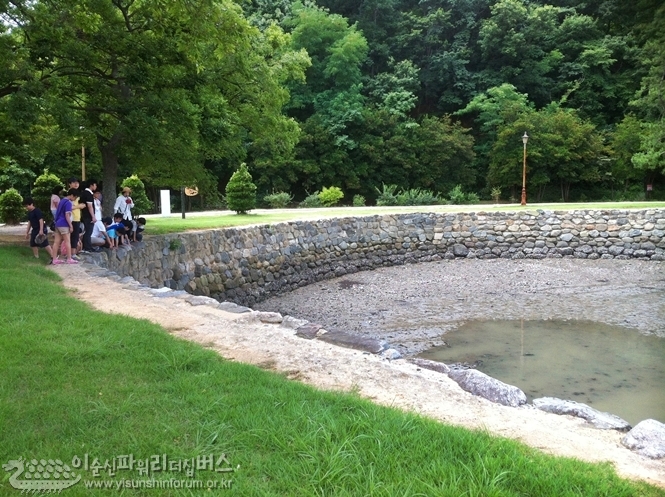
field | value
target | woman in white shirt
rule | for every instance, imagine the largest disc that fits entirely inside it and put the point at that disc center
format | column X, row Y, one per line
column 124, row 204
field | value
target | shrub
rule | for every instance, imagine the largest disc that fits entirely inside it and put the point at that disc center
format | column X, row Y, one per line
column 142, row 204
column 312, row 200
column 416, row 196
column 496, row 194
column 387, row 196
column 457, row 196
column 41, row 192
column 11, row 207
column 241, row 191
column 278, row 200
column 358, row 201
column 331, row 196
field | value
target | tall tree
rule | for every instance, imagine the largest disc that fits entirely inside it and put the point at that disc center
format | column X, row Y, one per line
column 156, row 86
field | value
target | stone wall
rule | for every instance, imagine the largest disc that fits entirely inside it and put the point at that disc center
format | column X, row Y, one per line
column 245, row 265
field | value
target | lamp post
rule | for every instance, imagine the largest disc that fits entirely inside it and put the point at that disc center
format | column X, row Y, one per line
column 525, row 138
column 82, row 154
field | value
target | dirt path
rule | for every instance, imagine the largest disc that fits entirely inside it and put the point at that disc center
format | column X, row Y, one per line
column 397, row 384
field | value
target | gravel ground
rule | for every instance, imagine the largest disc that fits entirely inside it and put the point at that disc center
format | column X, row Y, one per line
column 413, row 306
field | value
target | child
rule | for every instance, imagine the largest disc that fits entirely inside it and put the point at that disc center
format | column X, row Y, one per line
column 100, row 237
column 35, row 227
column 140, row 226
column 64, row 227
column 116, row 230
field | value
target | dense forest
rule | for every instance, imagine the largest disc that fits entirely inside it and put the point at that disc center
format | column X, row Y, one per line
column 351, row 93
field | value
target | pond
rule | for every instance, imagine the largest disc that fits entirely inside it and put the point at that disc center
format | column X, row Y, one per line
column 610, row 368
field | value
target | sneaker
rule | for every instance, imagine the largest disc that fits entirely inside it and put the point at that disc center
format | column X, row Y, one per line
column 72, row 261
column 76, row 257
column 56, row 261
column 84, row 252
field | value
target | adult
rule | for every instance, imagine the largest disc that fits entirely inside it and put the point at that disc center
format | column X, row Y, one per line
column 124, row 204
column 36, row 227
column 63, row 227
column 88, row 217
column 98, row 205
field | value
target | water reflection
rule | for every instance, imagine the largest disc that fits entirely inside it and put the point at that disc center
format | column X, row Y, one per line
column 610, row 368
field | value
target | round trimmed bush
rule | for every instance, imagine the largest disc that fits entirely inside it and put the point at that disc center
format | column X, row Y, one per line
column 241, row 191
column 11, row 207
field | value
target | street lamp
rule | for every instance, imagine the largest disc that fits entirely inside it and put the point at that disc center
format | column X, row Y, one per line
column 82, row 128
column 525, row 139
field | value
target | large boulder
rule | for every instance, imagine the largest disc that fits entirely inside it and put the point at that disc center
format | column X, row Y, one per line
column 647, row 439
column 602, row 420
column 480, row 384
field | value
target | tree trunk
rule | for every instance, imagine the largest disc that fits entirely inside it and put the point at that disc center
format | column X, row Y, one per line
column 109, row 151
column 565, row 190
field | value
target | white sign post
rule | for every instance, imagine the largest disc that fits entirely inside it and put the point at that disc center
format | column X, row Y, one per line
column 165, row 201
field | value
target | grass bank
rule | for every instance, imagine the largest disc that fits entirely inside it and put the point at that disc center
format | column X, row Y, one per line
column 158, row 225
column 74, row 381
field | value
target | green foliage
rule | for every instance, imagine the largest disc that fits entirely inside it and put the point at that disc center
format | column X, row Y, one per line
column 42, row 191
column 387, row 195
column 359, row 201
column 278, row 200
column 241, row 191
column 416, row 196
column 142, row 204
column 458, row 197
column 331, row 196
column 312, row 200
column 14, row 176
column 496, row 194
column 11, row 207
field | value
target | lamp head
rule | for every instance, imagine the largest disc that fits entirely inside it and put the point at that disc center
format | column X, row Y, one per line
column 525, row 138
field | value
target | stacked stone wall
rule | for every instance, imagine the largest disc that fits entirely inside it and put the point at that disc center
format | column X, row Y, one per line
column 246, row 265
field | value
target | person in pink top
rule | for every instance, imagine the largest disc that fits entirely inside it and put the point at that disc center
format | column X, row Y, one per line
column 64, row 227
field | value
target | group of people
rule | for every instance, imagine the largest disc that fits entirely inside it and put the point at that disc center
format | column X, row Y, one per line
column 79, row 225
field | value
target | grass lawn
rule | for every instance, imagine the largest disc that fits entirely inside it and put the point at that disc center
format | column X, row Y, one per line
column 158, row 225
column 74, row 381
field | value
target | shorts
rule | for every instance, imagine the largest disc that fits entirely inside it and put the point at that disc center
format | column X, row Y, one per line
column 33, row 234
column 97, row 240
column 63, row 230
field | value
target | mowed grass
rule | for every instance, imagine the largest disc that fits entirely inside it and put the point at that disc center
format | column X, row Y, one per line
column 76, row 381
column 158, row 225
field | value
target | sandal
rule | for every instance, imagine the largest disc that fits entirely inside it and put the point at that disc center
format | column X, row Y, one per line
column 72, row 261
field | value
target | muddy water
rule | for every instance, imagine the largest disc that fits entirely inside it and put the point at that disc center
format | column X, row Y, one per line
column 610, row 368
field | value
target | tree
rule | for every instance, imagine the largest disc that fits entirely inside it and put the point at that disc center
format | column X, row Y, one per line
column 157, row 87
column 241, row 191
column 562, row 148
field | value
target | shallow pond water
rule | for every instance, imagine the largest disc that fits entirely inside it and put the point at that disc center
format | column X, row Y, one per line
column 610, row 368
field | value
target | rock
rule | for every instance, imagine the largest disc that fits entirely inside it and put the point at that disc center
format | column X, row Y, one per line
column 174, row 293
column 391, row 354
column 460, row 250
column 601, row 420
column 352, row 341
column 433, row 365
column 480, row 384
column 233, row 307
column 269, row 317
column 293, row 323
column 200, row 300
column 647, row 439
column 160, row 290
column 308, row 331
